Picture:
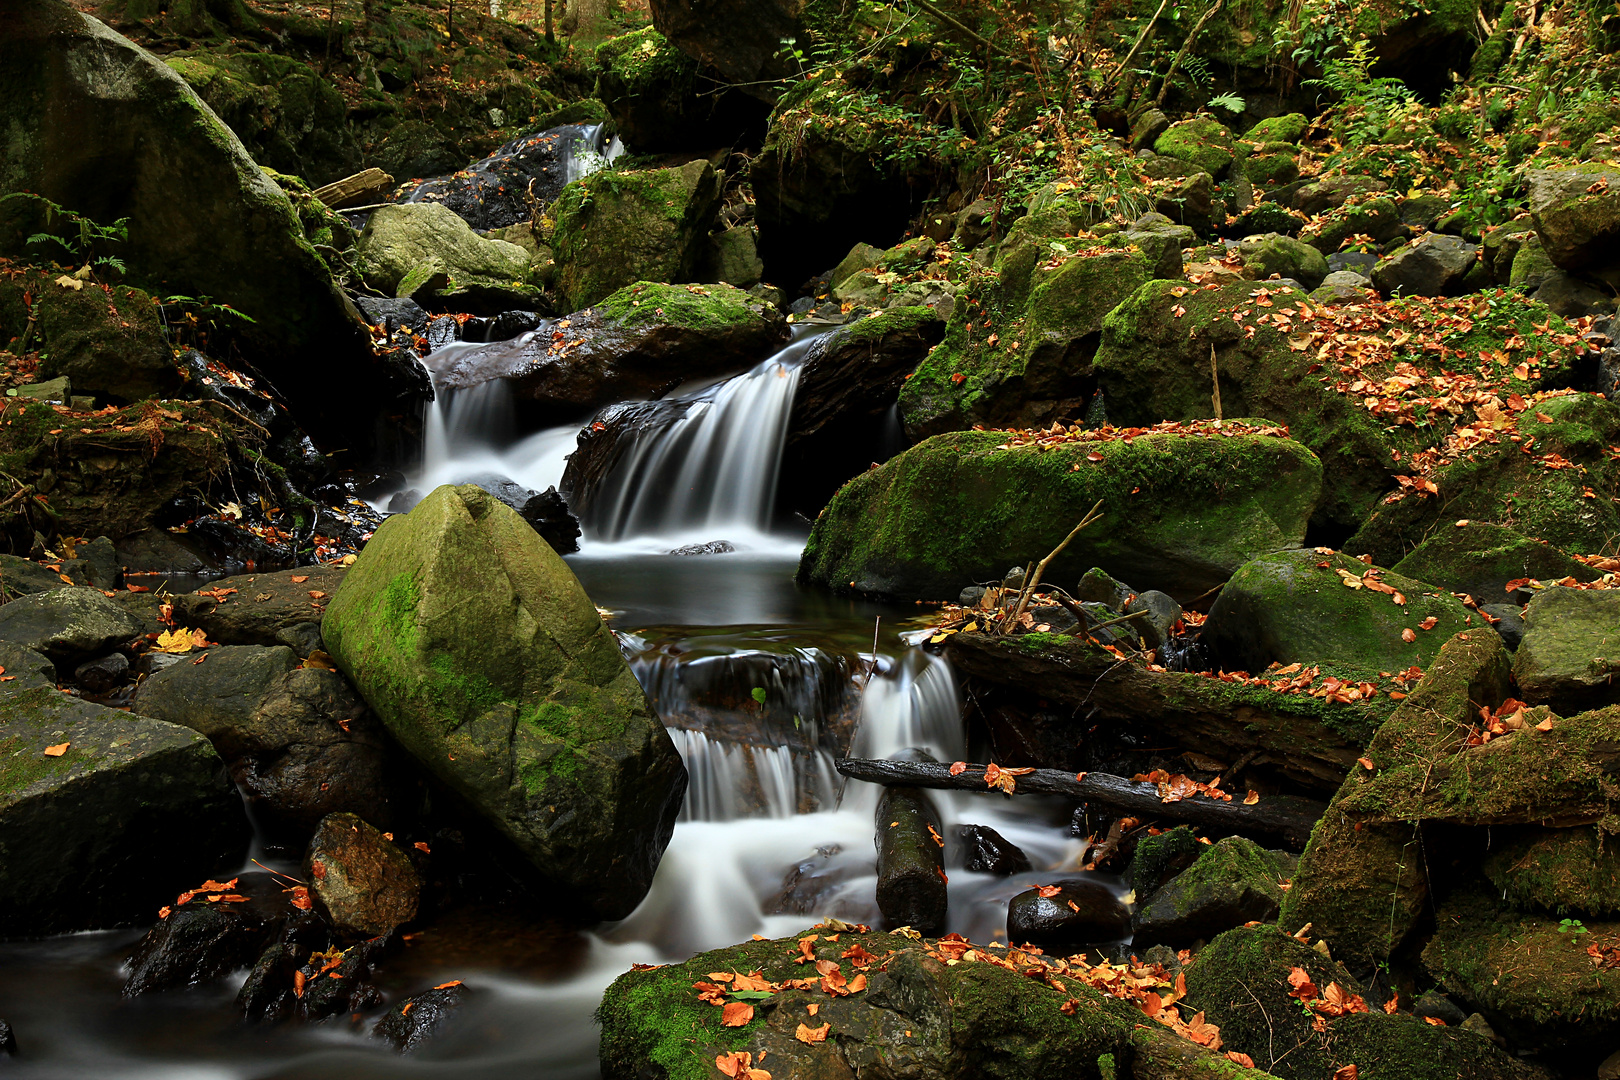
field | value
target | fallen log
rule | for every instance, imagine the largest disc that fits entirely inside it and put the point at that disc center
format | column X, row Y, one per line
column 1285, row 817
column 354, row 189
column 911, row 860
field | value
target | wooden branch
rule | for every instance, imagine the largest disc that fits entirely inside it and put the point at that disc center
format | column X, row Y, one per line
column 1035, row 579
column 352, row 189
column 1215, row 381
column 1181, row 54
column 1285, row 817
column 1125, row 63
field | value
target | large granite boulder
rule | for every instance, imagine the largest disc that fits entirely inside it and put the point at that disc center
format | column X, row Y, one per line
column 475, row 645
column 1577, row 214
column 1570, row 655
column 104, row 817
column 67, row 624
column 426, row 252
column 1182, row 509
column 105, row 129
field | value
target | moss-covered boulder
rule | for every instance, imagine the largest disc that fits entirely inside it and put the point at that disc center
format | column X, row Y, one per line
column 1273, row 164
column 1362, row 885
column 1202, row 141
column 1359, row 215
column 1032, row 365
column 1481, row 559
column 424, row 251
column 1308, row 607
column 943, row 1010
column 1242, row 983
column 1531, row 976
column 1570, row 655
column 105, row 129
column 288, row 116
column 1561, row 872
column 614, row 228
column 1285, row 257
column 107, row 339
column 660, row 101
column 1233, row 882
column 104, row 817
column 473, row 642
column 1577, row 213
column 1182, row 509
column 1556, row 481
column 1287, row 128
column 640, row 342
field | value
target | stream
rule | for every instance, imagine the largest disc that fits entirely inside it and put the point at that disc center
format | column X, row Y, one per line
column 768, row 842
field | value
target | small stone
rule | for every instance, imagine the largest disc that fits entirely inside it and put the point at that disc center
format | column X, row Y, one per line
column 1435, row 1004
column 988, row 852
column 1082, row 912
column 8, row 1040
column 972, row 595
column 101, row 675
column 713, row 547
column 197, row 942
column 1013, row 579
column 420, row 1017
column 1099, row 588
column 1162, row 612
column 1480, row 1026
column 1510, row 622
column 365, row 884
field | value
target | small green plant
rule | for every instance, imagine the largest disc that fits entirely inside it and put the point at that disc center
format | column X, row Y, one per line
column 1571, row 926
column 80, row 244
column 1232, row 103
column 759, row 694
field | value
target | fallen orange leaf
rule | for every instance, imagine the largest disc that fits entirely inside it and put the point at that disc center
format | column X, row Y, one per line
column 58, row 750
column 736, row 1013
column 808, row 1035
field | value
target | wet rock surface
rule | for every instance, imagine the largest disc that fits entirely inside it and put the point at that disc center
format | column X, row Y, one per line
column 1068, row 914
column 363, row 884
column 420, row 1018
column 986, row 851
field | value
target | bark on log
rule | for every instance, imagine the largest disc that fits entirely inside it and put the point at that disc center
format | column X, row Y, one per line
column 1284, row 817
column 354, row 189
column 910, row 861
column 1294, row 737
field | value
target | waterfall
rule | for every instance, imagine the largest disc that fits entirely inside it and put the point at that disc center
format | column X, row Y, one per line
column 709, row 474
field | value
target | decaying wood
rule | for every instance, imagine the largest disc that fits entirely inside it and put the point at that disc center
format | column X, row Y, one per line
column 1035, row 579
column 1284, row 817
column 354, row 189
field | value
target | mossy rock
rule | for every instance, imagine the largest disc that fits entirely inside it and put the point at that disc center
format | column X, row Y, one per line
column 106, row 831
column 1287, row 128
column 647, row 85
column 615, row 228
column 1363, row 886
column 426, row 252
column 1377, row 217
column 1570, row 655
column 1240, row 981
column 326, row 230
column 1201, row 141
column 288, row 116
column 107, row 339
column 954, row 1022
column 1529, row 975
column 1294, row 607
column 1284, row 256
column 474, row 644
column 1559, row 872
column 1032, row 368
column 1273, row 165
column 1480, row 559
column 1180, row 512
column 1502, row 483
column 1577, row 213
column 1233, row 882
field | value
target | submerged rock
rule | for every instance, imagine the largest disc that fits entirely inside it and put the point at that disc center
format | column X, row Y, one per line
column 986, row 851
column 485, row 659
column 1081, row 912
column 120, row 816
column 713, row 547
column 420, row 1018
column 1180, row 513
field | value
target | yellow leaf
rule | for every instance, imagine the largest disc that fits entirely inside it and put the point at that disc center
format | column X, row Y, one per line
column 70, row 283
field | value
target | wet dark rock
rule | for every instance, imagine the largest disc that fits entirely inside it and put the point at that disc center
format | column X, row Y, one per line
column 345, row 988
column 1509, row 622
column 1433, row 265
column 8, row 1040
column 910, row 860
column 393, row 314
column 196, row 942
column 641, row 342
column 420, row 1018
column 841, row 421
column 298, row 741
column 1232, row 882
column 713, row 547
column 101, row 675
column 986, row 851
column 361, row 882
column 1096, row 916
column 1438, row 1005
column 403, row 501
column 127, row 814
column 265, row 609
column 267, row 993
column 160, row 551
column 546, row 510
column 1159, row 858
column 806, row 887
column 495, row 192
column 66, row 624
column 502, row 327
column 204, row 381
column 1159, row 613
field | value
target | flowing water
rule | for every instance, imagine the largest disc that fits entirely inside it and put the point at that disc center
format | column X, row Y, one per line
column 770, row 840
